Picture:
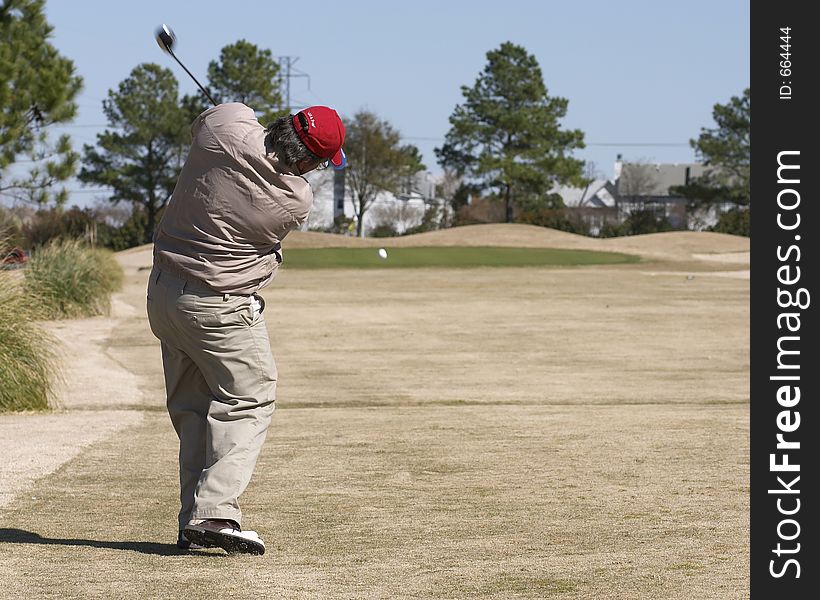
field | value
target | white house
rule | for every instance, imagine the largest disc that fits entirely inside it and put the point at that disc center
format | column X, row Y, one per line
column 402, row 210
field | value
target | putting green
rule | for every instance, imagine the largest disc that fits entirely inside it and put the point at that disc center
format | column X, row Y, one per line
column 466, row 257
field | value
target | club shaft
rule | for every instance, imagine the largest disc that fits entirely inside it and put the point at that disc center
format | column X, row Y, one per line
column 204, row 91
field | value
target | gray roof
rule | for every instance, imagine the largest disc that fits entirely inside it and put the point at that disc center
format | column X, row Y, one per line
column 599, row 193
column 654, row 179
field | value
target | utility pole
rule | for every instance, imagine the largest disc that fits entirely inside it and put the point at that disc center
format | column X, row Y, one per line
column 288, row 72
column 365, row 172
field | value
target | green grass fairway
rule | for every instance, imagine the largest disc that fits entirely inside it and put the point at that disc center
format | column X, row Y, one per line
column 458, row 257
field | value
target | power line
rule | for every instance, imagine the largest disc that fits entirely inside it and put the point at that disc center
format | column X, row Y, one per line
column 440, row 139
column 312, row 93
column 72, row 126
column 292, row 103
column 637, row 144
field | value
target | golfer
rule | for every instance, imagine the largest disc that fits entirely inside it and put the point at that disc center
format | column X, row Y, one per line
column 240, row 192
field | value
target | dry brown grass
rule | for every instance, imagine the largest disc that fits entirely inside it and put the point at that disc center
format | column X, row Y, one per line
column 499, row 433
column 425, row 502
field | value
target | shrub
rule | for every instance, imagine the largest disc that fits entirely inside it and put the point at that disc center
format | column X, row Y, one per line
column 646, row 221
column 384, row 230
column 430, row 221
column 28, row 364
column 736, row 222
column 612, row 229
column 108, row 226
column 637, row 223
column 67, row 279
column 554, row 218
column 480, row 210
column 129, row 234
column 51, row 223
column 11, row 230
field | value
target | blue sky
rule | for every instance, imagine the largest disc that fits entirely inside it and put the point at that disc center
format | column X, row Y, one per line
column 634, row 71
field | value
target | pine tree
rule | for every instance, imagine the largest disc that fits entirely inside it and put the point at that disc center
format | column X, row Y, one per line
column 141, row 154
column 37, row 91
column 726, row 149
column 245, row 73
column 507, row 136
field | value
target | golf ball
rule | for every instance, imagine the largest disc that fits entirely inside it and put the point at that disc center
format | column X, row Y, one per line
column 382, row 253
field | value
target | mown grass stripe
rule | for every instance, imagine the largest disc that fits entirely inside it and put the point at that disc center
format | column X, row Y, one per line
column 450, row 257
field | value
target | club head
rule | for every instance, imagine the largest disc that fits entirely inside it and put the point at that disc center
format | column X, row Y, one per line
column 166, row 38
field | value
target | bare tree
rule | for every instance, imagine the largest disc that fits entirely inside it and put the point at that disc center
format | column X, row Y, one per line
column 637, row 180
column 320, row 181
column 400, row 215
column 591, row 173
column 113, row 214
column 377, row 161
column 446, row 190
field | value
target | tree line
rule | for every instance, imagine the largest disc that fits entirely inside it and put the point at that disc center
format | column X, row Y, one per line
column 506, row 143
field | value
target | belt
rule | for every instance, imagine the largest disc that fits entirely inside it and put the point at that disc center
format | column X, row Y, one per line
column 277, row 252
column 190, row 285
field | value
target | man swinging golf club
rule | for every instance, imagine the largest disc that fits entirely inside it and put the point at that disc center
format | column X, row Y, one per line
column 240, row 192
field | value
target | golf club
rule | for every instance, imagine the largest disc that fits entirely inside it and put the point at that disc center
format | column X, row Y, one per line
column 166, row 40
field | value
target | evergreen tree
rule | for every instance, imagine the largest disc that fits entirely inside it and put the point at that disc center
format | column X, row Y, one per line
column 141, row 155
column 37, row 91
column 245, row 73
column 507, row 136
column 727, row 149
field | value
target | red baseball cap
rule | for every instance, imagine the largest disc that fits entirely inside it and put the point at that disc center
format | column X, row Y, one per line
column 322, row 131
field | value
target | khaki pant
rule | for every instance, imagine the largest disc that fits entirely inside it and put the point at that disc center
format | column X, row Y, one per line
column 220, row 381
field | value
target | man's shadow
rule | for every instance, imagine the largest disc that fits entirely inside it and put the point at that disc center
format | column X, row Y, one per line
column 20, row 536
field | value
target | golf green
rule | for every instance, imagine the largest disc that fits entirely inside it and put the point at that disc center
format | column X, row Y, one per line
column 466, row 257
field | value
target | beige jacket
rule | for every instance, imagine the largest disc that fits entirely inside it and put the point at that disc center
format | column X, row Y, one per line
column 231, row 207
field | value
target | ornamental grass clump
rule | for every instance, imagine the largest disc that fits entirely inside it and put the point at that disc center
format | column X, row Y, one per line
column 67, row 279
column 28, row 363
